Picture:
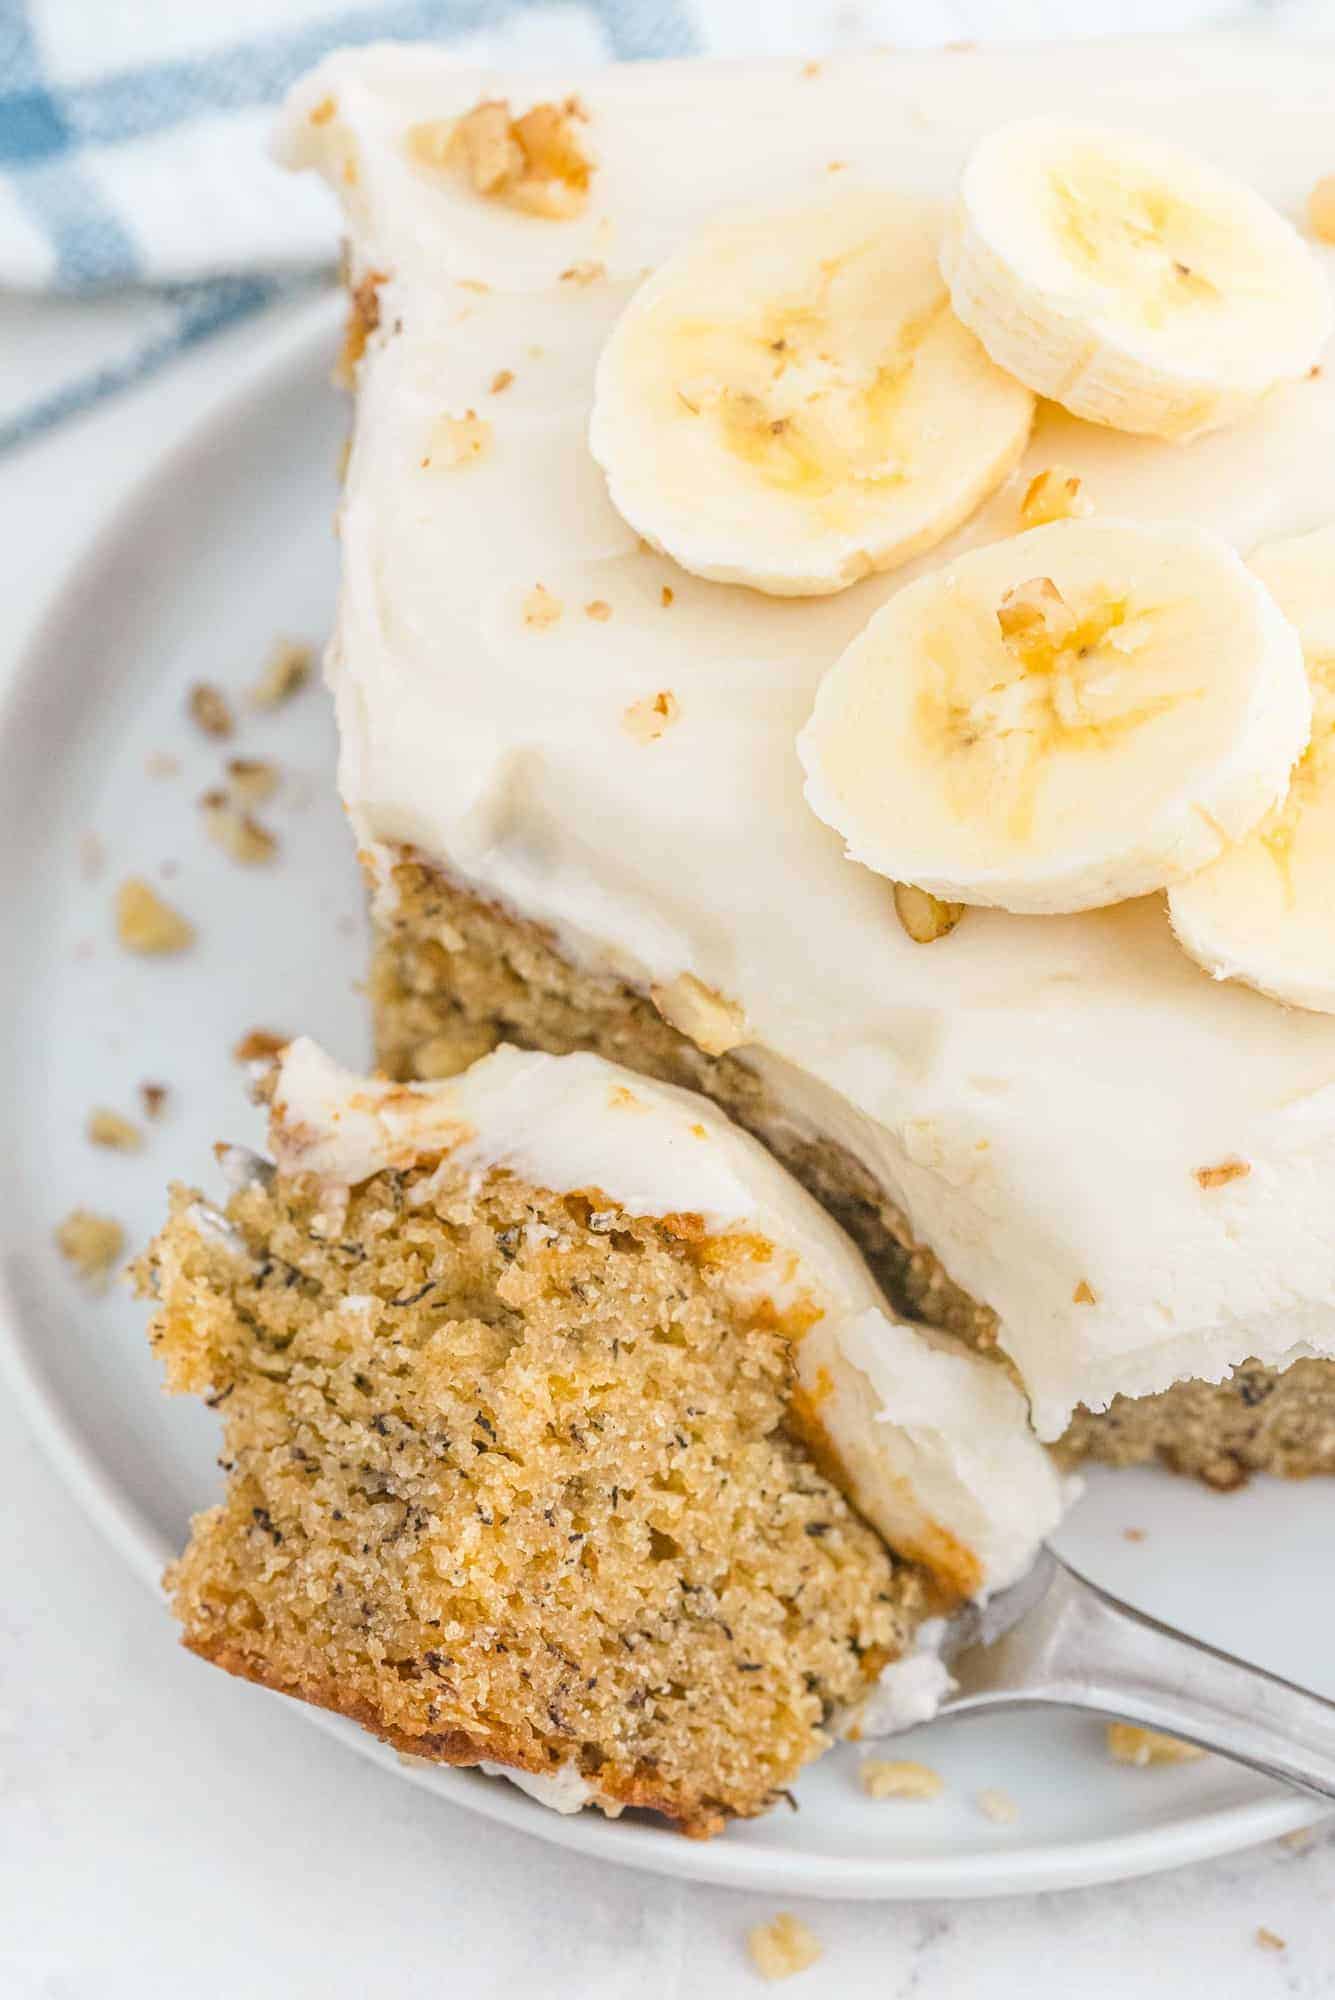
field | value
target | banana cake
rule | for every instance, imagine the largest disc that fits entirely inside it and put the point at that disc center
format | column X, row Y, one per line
column 1001, row 924
column 565, row 1433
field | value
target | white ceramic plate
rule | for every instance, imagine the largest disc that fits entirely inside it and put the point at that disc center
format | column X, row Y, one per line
column 227, row 543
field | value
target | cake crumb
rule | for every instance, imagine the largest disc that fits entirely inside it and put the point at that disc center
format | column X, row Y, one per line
column 458, row 440
column 153, row 1097
column 210, row 710
column 884, row 1778
column 161, row 764
column 1054, row 495
column 598, row 609
column 286, row 672
column 1270, row 1940
column 647, row 719
column 1321, row 209
column 534, row 162
column 587, row 273
column 251, row 780
column 1084, row 1294
column 926, row 918
column 1220, row 1176
column 998, row 1806
column 236, row 832
column 501, row 381
column 541, row 609
column 92, row 856
column 259, row 1045
column 1128, row 1743
column 702, row 1015
column 92, row 1244
column 108, row 1128
column 145, row 923
column 783, row 1947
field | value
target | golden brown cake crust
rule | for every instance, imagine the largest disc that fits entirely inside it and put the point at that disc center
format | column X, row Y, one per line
column 453, row 975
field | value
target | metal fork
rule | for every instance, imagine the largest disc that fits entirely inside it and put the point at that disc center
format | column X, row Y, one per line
column 1055, row 1639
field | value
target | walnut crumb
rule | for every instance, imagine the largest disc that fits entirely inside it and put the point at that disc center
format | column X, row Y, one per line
column 534, row 162
column 92, row 1244
column 457, row 440
column 598, row 609
column 783, row 1947
column 500, row 381
column 1267, row 1939
column 1054, row 495
column 144, row 923
column 1134, row 1534
column 259, row 1045
column 666, row 595
column 587, row 273
column 926, row 918
column 1128, row 1743
column 251, row 780
column 1084, row 1294
column 153, row 1097
column 1321, row 209
column 108, row 1128
column 702, row 1015
column 884, row 1778
column 646, row 720
column 997, row 1806
column 541, row 609
column 161, row 764
column 1220, row 1176
column 1032, row 607
column 210, row 710
column 236, row 832
column 286, row 672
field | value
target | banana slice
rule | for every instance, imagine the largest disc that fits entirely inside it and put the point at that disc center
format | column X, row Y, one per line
column 1265, row 911
column 790, row 403
column 1066, row 719
column 1129, row 280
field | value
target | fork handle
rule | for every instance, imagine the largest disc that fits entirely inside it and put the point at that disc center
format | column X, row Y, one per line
column 1079, row 1647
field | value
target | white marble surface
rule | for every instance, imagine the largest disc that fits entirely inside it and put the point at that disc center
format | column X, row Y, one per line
column 161, row 1837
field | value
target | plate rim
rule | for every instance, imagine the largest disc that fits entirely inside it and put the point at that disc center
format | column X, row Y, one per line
column 294, row 349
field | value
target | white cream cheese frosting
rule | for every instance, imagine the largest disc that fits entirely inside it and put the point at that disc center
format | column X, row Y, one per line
column 934, row 1443
column 1048, row 1099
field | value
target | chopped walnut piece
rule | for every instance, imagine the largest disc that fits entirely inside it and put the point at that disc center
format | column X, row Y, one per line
column 926, row 918
column 534, row 162
column 286, row 672
column 108, row 1128
column 501, row 381
column 144, row 923
column 1032, row 607
column 153, row 1097
column 1321, row 209
column 1084, row 1294
column 1128, row 1743
column 1220, row 1176
column 92, row 1244
column 541, row 609
column 998, row 1806
column 647, row 719
column 1054, row 495
column 702, row 1015
column 236, row 832
column 1267, row 1939
column 883, row 1778
column 161, row 764
column 251, row 780
column 363, row 319
column 587, row 273
column 598, row 609
column 783, row 1947
column 210, row 710
column 666, row 595
column 259, row 1045
column 457, row 440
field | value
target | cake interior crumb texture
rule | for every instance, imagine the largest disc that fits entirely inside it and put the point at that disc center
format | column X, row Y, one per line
column 453, row 975
column 512, row 1476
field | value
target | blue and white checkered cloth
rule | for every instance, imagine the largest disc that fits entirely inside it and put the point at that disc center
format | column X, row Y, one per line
column 134, row 163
